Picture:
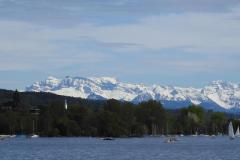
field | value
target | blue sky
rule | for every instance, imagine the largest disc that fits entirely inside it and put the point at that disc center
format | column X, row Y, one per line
column 184, row 43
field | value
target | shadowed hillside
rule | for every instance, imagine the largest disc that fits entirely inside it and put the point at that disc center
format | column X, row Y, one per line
column 46, row 115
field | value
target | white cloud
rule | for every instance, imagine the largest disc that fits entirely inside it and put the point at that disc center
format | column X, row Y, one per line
column 212, row 33
column 23, row 38
column 205, row 33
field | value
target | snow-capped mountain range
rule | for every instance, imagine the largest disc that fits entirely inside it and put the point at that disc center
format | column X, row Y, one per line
column 217, row 95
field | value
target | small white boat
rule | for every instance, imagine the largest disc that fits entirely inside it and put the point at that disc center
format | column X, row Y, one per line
column 204, row 135
column 231, row 131
column 3, row 137
column 33, row 135
column 196, row 134
column 170, row 140
column 12, row 136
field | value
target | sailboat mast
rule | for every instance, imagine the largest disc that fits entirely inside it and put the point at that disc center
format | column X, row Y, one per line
column 167, row 128
column 33, row 127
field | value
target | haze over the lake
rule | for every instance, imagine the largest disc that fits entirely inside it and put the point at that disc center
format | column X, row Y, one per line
column 184, row 43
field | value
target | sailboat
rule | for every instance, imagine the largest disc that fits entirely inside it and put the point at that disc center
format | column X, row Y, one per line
column 170, row 139
column 237, row 134
column 230, row 131
column 33, row 135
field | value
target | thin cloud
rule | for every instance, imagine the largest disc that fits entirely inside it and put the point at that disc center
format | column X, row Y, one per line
column 212, row 33
column 131, row 37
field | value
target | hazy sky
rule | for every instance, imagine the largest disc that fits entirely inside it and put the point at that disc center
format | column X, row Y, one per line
column 175, row 42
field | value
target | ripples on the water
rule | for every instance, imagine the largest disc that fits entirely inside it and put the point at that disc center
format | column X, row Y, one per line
column 188, row 148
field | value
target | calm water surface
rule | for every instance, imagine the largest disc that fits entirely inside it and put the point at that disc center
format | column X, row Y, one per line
column 188, row 148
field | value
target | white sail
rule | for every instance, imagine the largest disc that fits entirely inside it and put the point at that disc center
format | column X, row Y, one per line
column 237, row 134
column 230, row 131
column 66, row 105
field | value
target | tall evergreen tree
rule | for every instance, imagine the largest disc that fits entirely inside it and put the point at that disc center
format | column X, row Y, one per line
column 16, row 99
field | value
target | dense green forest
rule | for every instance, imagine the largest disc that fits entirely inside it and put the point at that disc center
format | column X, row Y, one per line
column 20, row 112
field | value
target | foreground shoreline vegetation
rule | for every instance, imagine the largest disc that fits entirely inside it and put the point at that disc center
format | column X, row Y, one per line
column 45, row 114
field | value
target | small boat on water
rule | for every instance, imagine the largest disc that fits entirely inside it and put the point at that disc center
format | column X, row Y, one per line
column 231, row 131
column 213, row 136
column 33, row 135
column 107, row 138
column 196, row 134
column 205, row 135
column 171, row 140
column 3, row 137
column 13, row 136
column 237, row 134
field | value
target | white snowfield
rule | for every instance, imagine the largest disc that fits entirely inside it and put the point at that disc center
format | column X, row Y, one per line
column 224, row 94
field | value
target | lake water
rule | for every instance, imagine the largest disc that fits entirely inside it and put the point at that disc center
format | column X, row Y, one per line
column 188, row 148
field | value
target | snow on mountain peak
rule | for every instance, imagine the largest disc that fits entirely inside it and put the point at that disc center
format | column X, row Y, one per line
column 52, row 80
column 224, row 94
column 104, row 79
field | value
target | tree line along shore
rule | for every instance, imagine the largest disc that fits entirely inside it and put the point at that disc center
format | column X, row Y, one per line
column 45, row 115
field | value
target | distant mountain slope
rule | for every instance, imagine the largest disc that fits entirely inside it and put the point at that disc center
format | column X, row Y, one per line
column 218, row 94
column 38, row 99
